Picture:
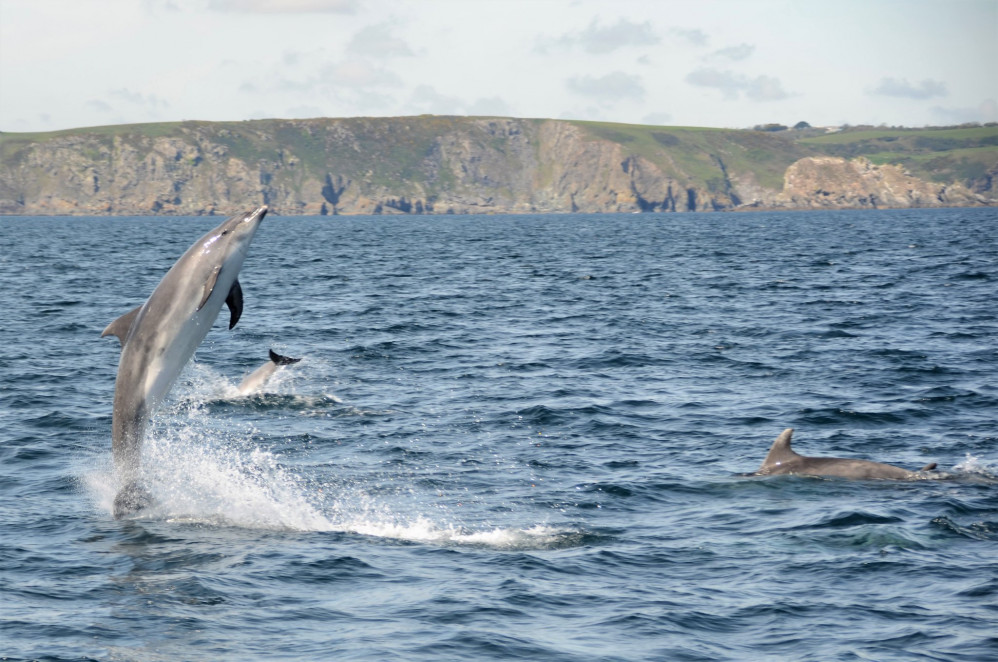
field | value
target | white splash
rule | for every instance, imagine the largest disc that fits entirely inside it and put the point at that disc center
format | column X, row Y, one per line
column 206, row 469
column 205, row 385
column 976, row 466
column 366, row 517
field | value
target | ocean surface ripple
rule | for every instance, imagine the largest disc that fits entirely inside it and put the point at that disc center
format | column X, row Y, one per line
column 513, row 438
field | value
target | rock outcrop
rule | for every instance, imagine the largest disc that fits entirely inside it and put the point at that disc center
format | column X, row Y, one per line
column 835, row 183
column 438, row 165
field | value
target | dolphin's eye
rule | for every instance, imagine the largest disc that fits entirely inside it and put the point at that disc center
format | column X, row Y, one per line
column 225, row 232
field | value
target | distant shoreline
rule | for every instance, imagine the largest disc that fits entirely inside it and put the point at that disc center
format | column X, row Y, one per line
column 432, row 165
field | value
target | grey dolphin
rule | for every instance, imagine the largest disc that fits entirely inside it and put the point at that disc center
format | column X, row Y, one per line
column 256, row 379
column 783, row 460
column 159, row 337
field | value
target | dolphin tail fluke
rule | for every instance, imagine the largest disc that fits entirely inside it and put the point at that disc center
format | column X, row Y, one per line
column 282, row 360
column 132, row 498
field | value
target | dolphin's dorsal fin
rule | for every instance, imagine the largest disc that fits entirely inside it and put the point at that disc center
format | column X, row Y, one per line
column 282, row 360
column 235, row 303
column 122, row 325
column 928, row 467
column 780, row 451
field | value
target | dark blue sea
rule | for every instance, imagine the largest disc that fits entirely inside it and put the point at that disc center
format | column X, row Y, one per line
column 512, row 438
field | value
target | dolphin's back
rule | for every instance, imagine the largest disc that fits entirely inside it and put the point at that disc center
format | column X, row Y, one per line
column 783, row 460
column 848, row 468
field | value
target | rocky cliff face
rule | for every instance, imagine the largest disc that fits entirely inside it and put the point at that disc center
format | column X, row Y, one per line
column 581, row 174
column 435, row 165
column 835, row 183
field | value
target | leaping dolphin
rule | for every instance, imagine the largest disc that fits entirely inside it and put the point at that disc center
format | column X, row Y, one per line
column 255, row 380
column 783, row 460
column 159, row 337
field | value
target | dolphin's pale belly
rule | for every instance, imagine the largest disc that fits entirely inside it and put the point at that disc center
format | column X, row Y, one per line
column 257, row 378
column 168, row 359
column 160, row 357
column 149, row 367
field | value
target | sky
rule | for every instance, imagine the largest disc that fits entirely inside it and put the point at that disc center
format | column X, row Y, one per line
column 717, row 63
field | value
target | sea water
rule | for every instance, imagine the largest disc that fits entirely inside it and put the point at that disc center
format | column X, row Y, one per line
column 512, row 438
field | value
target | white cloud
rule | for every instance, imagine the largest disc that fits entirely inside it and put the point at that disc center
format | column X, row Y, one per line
column 659, row 119
column 732, row 85
column 696, row 37
column 353, row 86
column 733, row 53
column 165, row 5
column 358, row 57
column 376, row 41
column 492, row 107
column 727, row 82
column 367, row 101
column 598, row 39
column 250, row 87
column 900, row 87
column 357, row 74
column 304, row 112
column 100, row 106
column 427, row 100
column 148, row 100
column 611, row 87
column 285, row 6
column 765, row 88
column 986, row 111
column 591, row 112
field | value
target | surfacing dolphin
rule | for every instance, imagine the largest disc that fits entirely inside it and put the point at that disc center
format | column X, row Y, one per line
column 256, row 379
column 159, row 337
column 783, row 460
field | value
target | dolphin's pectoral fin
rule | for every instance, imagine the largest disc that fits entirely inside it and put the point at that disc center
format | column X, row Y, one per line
column 209, row 286
column 234, row 300
column 928, row 467
column 132, row 498
column 235, row 303
column 122, row 325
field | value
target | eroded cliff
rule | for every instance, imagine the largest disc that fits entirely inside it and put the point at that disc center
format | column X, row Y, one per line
column 833, row 183
column 441, row 165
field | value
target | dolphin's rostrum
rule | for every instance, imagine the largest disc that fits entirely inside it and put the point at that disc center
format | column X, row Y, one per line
column 159, row 337
column 783, row 460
